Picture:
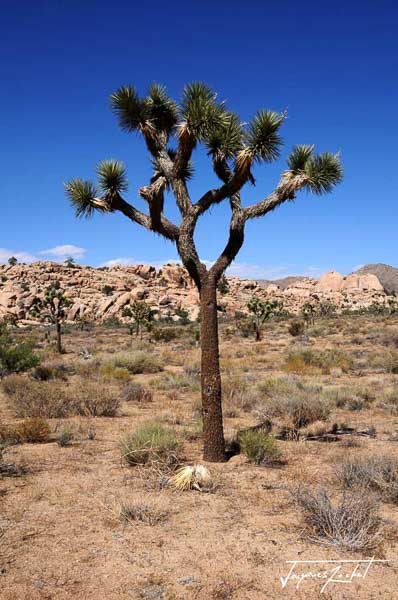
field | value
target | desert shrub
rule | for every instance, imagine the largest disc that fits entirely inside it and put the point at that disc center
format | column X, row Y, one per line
column 65, row 436
column 91, row 400
column 378, row 473
column 16, row 357
column 244, row 327
column 142, row 512
column 352, row 398
column 192, row 369
column 296, row 402
column 29, row 398
column 109, row 372
column 165, row 334
column 350, row 523
column 137, row 362
column 49, row 371
column 52, row 400
column 176, row 382
column 33, row 431
column 258, row 446
column 136, row 392
column 150, row 443
column 193, row 430
column 386, row 361
column 306, row 360
column 238, row 395
column 389, row 400
column 296, row 328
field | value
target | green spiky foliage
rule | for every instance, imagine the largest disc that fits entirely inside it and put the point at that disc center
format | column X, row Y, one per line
column 81, row 195
column 225, row 140
column 112, row 176
column 261, row 311
column 52, row 309
column 141, row 316
column 299, row 157
column 163, row 111
column 129, row 108
column 321, row 171
column 262, row 136
column 324, row 171
column 200, row 111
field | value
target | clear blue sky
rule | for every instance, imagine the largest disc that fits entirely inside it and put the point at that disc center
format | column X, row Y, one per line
column 333, row 65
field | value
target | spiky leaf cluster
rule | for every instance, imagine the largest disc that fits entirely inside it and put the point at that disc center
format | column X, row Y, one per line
column 324, row 171
column 81, row 195
column 321, row 171
column 200, row 111
column 262, row 136
column 225, row 140
column 299, row 157
column 112, row 176
column 156, row 112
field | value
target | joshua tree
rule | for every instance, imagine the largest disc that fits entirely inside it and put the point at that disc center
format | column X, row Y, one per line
column 70, row 262
column 52, row 309
column 141, row 316
column 309, row 311
column 262, row 311
column 233, row 148
column 12, row 261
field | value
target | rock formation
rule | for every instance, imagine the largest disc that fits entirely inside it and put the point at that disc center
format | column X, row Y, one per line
column 101, row 293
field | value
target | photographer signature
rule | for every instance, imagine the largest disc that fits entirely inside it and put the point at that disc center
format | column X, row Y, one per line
column 338, row 571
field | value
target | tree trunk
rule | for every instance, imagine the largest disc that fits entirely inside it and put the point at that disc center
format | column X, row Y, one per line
column 213, row 432
column 59, row 344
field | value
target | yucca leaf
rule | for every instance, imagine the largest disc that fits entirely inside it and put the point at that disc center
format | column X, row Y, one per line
column 225, row 140
column 200, row 111
column 262, row 137
column 81, row 195
column 112, row 176
column 298, row 158
column 131, row 111
column 163, row 111
column 324, row 171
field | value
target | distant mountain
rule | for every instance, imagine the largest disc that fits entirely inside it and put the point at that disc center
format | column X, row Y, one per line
column 387, row 275
column 283, row 283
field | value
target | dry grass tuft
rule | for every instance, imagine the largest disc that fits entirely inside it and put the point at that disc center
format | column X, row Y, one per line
column 351, row 523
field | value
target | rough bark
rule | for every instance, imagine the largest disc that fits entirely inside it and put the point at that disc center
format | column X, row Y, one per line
column 213, row 432
column 59, row 343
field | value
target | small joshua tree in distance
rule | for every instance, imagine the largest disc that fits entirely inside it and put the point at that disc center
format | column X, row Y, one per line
column 52, row 309
column 12, row 261
column 141, row 316
column 70, row 262
column 171, row 132
column 261, row 311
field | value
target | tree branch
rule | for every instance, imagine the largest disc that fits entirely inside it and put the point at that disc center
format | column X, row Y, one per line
column 286, row 190
column 234, row 244
column 163, row 227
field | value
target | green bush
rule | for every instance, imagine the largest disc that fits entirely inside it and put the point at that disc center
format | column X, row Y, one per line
column 52, row 400
column 150, row 443
column 109, row 371
column 306, row 360
column 136, row 362
column 296, row 328
column 16, row 357
column 165, row 334
column 34, row 430
column 258, row 446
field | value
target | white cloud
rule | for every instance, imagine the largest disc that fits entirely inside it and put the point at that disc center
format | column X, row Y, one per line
column 24, row 257
column 64, row 251
column 253, row 271
column 125, row 261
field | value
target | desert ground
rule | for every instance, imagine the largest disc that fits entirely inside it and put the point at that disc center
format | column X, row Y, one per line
column 79, row 520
